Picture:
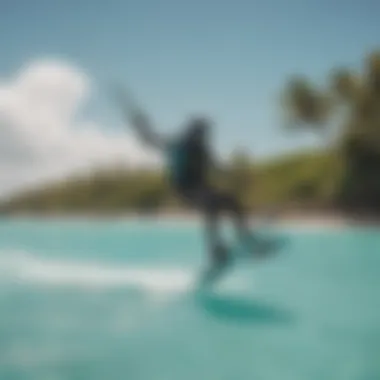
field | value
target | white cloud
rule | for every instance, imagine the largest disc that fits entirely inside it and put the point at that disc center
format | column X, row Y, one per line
column 40, row 136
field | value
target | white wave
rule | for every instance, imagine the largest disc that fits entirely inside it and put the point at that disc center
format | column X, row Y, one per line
column 28, row 268
column 31, row 269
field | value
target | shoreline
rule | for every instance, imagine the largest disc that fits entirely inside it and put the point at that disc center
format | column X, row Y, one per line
column 292, row 218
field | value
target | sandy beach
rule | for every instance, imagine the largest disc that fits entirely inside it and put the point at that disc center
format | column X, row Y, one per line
column 288, row 217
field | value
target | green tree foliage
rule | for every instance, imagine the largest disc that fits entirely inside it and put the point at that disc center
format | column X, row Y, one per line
column 296, row 178
column 351, row 102
column 305, row 104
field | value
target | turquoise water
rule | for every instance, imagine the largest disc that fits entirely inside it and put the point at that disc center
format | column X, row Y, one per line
column 118, row 300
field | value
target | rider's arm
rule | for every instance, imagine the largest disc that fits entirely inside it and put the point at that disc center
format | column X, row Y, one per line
column 139, row 121
column 143, row 127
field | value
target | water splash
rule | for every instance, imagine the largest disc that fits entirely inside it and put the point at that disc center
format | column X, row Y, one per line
column 31, row 269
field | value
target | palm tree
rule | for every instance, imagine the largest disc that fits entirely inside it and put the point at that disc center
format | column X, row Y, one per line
column 351, row 102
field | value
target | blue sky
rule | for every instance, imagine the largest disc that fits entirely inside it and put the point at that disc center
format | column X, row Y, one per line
column 227, row 58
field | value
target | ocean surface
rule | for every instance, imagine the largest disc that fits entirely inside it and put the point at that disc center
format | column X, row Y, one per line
column 119, row 300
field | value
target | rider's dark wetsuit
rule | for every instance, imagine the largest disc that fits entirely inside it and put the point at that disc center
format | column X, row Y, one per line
column 189, row 164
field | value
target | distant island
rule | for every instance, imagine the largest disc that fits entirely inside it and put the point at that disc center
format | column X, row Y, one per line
column 304, row 180
column 308, row 183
